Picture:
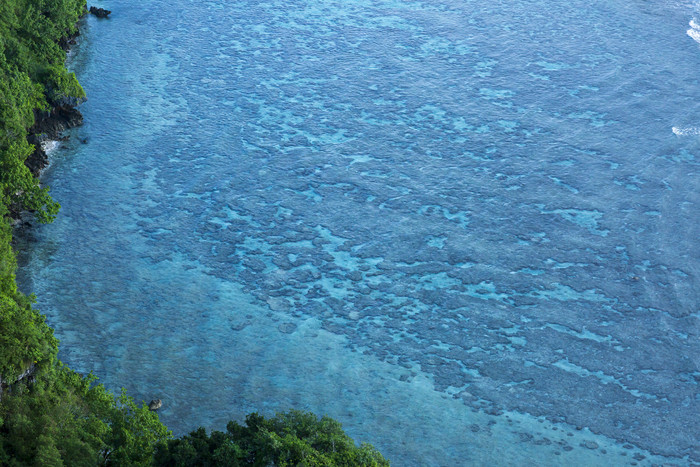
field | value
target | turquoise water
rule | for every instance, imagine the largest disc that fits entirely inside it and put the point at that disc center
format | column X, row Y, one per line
column 467, row 230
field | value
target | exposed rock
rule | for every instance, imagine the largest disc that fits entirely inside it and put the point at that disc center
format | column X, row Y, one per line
column 66, row 42
column 28, row 373
column 58, row 120
column 99, row 12
column 49, row 126
column 37, row 160
column 155, row 404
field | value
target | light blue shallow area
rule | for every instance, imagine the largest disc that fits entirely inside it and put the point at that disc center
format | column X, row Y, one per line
column 468, row 230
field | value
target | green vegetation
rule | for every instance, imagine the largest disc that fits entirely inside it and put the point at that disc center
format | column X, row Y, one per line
column 293, row 438
column 63, row 418
column 49, row 414
column 32, row 77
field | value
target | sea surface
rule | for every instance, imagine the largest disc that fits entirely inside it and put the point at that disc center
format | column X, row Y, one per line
column 468, row 230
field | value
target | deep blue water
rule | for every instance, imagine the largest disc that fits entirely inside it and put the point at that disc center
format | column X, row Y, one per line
column 465, row 229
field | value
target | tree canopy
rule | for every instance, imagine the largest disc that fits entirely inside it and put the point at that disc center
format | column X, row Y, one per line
column 32, row 77
column 294, row 438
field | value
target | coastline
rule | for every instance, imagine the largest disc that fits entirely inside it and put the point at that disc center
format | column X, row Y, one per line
column 49, row 413
column 148, row 308
column 44, row 135
column 50, row 125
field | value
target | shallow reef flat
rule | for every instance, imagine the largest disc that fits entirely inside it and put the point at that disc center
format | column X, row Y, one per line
column 465, row 230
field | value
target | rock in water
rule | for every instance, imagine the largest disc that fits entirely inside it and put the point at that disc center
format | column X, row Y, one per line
column 155, row 404
column 99, row 12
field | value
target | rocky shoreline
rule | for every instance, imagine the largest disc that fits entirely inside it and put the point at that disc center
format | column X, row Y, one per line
column 50, row 125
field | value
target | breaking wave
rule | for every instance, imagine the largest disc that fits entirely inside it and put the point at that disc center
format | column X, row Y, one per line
column 686, row 131
column 694, row 30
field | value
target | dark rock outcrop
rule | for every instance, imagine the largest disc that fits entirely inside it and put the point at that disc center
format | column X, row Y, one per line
column 55, row 122
column 99, row 12
column 66, row 42
column 28, row 374
column 155, row 404
column 49, row 126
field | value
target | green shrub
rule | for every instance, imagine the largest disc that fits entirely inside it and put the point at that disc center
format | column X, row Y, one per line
column 293, row 438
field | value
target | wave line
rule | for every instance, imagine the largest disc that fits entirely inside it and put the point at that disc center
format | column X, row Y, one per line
column 686, row 131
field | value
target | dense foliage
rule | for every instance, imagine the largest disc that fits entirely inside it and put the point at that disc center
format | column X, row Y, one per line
column 288, row 439
column 32, row 77
column 49, row 414
column 63, row 418
column 25, row 339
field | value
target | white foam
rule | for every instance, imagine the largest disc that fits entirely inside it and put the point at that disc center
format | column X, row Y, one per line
column 694, row 31
column 695, row 34
column 49, row 146
column 686, row 131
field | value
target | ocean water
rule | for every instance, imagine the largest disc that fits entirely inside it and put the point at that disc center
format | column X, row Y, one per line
column 467, row 230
